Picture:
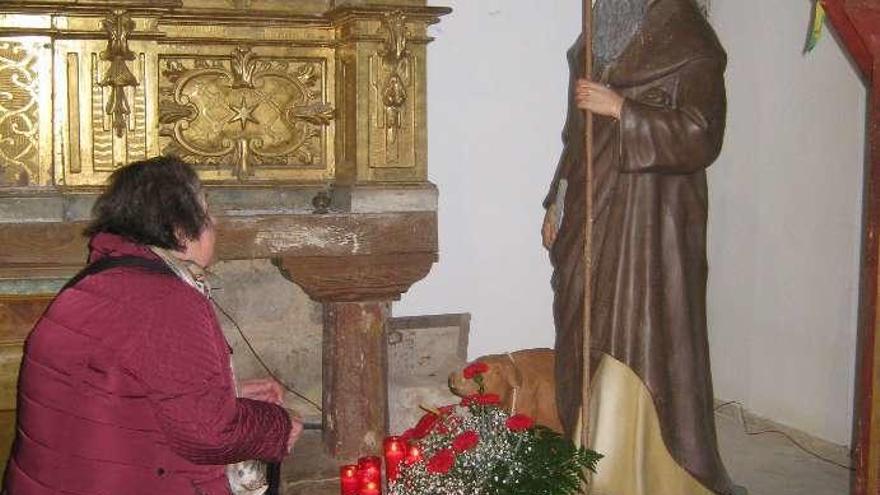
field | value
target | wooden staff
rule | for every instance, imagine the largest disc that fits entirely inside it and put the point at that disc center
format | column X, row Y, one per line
column 588, row 231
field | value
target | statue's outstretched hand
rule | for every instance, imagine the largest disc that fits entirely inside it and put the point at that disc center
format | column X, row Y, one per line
column 550, row 227
column 598, row 98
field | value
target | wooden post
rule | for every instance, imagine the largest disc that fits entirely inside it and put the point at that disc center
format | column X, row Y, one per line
column 857, row 23
column 355, row 399
column 866, row 431
column 584, row 439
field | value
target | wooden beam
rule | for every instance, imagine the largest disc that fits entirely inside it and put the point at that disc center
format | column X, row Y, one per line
column 47, row 246
column 356, row 278
column 843, row 22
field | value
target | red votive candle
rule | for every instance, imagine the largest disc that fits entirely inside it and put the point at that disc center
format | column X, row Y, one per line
column 369, row 471
column 395, row 451
column 413, row 454
column 348, row 480
column 371, row 488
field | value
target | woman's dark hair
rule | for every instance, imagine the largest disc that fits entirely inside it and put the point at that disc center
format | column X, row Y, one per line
column 153, row 202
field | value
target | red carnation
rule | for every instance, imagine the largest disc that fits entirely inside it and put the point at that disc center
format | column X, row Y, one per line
column 441, row 462
column 465, row 441
column 481, row 399
column 519, row 422
column 476, row 368
column 423, row 427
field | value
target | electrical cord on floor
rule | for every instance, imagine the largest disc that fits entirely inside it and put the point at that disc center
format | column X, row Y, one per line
column 263, row 363
column 748, row 431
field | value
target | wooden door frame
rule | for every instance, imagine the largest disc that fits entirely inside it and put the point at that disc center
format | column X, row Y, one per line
column 857, row 24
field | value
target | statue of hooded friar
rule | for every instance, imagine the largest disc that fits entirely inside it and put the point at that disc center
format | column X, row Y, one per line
column 659, row 104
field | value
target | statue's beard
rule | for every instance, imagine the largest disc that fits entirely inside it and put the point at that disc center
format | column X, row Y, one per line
column 615, row 22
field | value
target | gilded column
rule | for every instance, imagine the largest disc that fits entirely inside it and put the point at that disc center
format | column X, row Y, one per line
column 382, row 134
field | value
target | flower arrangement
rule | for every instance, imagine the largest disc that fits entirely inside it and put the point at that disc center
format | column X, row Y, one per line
column 477, row 448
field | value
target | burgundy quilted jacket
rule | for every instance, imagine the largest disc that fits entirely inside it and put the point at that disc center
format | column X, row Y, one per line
column 126, row 389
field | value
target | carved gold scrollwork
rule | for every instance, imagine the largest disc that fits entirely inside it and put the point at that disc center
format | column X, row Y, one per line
column 319, row 114
column 396, row 57
column 118, row 27
column 244, row 111
column 19, row 126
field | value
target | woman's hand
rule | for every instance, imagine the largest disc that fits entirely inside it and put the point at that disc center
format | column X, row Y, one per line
column 263, row 389
column 549, row 230
column 296, row 429
column 598, row 99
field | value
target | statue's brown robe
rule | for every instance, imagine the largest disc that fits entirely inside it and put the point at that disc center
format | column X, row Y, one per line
column 649, row 236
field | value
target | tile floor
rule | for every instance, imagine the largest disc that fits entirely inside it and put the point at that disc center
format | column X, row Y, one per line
column 764, row 464
column 770, row 465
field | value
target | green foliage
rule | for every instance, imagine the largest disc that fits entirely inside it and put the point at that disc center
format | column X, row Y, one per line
column 552, row 465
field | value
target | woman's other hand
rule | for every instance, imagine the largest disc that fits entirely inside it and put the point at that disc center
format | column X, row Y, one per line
column 598, row 99
column 263, row 389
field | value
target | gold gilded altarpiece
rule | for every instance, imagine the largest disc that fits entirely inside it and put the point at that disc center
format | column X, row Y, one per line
column 272, row 101
column 247, row 91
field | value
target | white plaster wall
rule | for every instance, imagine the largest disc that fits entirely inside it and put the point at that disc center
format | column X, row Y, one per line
column 785, row 197
column 785, row 220
column 497, row 84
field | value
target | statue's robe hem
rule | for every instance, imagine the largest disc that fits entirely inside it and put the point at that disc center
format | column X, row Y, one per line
column 626, row 430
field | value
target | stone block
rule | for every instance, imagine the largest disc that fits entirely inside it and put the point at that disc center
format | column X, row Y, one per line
column 278, row 324
column 422, row 351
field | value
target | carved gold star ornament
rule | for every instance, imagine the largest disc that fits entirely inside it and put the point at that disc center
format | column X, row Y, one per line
column 243, row 113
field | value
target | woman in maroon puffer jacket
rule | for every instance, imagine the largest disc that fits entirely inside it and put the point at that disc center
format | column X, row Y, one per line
column 126, row 385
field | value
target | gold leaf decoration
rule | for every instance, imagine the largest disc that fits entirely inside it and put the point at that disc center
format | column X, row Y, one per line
column 118, row 26
column 243, row 111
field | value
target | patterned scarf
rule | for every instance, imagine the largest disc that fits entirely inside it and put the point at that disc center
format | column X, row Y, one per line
column 191, row 273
